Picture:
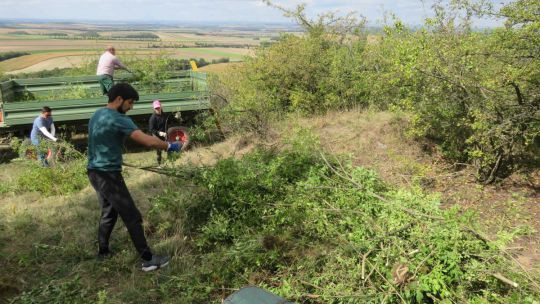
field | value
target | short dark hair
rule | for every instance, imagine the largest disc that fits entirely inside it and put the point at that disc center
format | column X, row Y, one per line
column 124, row 90
column 46, row 109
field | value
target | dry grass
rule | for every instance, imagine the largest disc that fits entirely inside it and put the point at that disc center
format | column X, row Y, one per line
column 55, row 62
column 219, row 67
column 23, row 62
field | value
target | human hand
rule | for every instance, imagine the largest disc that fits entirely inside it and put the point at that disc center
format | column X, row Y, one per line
column 174, row 146
column 162, row 134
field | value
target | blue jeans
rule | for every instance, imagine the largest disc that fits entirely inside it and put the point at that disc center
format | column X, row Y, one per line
column 41, row 156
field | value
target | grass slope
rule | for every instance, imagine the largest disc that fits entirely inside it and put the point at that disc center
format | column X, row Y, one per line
column 47, row 244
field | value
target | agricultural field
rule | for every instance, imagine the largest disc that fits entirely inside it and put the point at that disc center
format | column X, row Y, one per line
column 219, row 67
column 49, row 60
column 70, row 45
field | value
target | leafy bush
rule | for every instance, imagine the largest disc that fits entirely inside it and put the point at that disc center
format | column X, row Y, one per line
column 58, row 180
column 475, row 93
column 312, row 73
column 319, row 231
column 66, row 175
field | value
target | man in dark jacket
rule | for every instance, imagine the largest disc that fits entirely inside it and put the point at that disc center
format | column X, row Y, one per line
column 157, row 125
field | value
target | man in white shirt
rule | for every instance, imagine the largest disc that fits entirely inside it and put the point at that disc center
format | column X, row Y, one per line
column 108, row 62
column 43, row 127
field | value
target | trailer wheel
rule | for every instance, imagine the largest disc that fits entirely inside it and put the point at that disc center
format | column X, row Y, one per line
column 179, row 134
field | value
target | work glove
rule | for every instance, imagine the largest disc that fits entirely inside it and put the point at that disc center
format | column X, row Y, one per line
column 174, row 146
column 162, row 134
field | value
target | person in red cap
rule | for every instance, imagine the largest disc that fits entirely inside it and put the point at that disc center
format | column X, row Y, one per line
column 158, row 125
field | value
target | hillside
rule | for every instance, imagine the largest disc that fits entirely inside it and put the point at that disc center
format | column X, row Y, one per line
column 48, row 243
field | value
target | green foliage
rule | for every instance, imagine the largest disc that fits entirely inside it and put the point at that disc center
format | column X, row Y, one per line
column 9, row 55
column 89, row 35
column 318, row 231
column 151, row 72
column 72, row 91
column 58, row 180
column 149, row 77
column 5, row 187
column 312, row 73
column 70, row 291
column 56, row 35
column 40, row 74
column 137, row 36
column 18, row 33
column 66, row 175
column 309, row 74
column 476, row 94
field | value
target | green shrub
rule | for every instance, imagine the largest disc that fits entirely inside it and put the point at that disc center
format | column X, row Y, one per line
column 320, row 231
column 66, row 175
column 474, row 93
column 61, row 179
column 311, row 73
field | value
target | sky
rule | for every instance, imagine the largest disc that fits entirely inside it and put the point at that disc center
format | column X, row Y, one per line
column 225, row 11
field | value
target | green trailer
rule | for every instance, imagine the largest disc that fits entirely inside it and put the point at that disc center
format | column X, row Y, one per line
column 21, row 100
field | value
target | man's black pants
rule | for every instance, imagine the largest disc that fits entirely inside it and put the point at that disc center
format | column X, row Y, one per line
column 115, row 200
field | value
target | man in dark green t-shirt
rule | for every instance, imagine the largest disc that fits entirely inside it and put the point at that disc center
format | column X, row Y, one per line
column 107, row 130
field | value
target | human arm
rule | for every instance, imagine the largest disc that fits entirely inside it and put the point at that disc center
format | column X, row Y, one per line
column 53, row 130
column 148, row 141
column 47, row 134
column 119, row 65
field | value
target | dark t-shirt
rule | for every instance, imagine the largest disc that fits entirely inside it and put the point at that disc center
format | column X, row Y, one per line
column 158, row 123
column 107, row 131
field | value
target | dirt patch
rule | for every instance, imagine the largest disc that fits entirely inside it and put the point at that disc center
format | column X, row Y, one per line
column 7, row 291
